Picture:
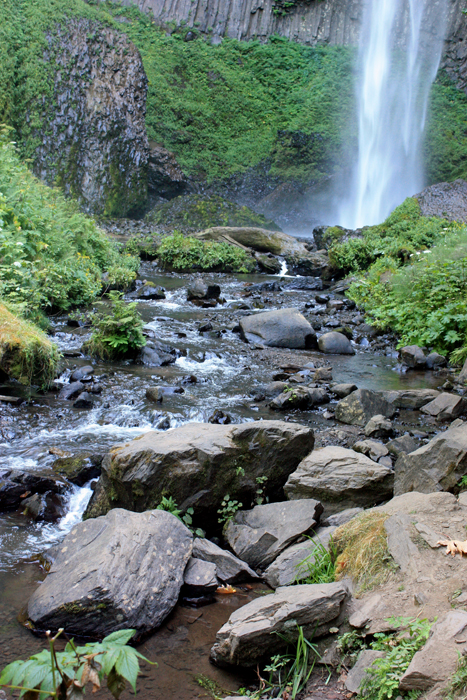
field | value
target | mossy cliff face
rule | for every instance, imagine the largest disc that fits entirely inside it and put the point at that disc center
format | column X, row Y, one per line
column 93, row 139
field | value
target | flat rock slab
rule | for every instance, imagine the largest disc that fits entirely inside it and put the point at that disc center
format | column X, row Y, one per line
column 437, row 660
column 285, row 328
column 259, row 535
column 197, row 464
column 250, row 633
column 120, row 571
column 200, row 578
column 410, row 398
column 437, row 466
column 230, row 569
column 340, row 479
column 358, row 672
column 445, row 407
column 361, row 405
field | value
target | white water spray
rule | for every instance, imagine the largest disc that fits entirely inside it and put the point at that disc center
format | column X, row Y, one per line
column 400, row 52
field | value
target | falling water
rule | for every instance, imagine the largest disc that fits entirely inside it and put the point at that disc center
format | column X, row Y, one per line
column 400, row 51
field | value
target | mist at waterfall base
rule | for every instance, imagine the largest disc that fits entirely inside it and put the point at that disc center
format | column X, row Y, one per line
column 399, row 55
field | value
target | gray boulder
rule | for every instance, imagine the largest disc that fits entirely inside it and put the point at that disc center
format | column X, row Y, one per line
column 229, row 568
column 259, row 535
column 156, row 354
column 16, row 485
column 199, row 579
column 341, row 518
column 335, row 343
column 158, row 393
column 299, row 397
column 410, row 398
column 445, row 407
column 198, row 464
column 285, row 328
column 357, row 408
column 341, row 479
column 343, row 390
column 379, row 427
column 121, row 571
column 199, row 290
column 149, row 292
column 446, row 200
column 371, row 448
column 359, row 670
column 70, row 391
column 252, row 632
column 82, row 373
column 434, row 360
column 437, row 466
column 413, row 356
column 291, row 565
column 404, row 444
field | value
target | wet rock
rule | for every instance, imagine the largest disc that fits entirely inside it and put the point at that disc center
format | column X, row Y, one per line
column 253, row 631
column 291, row 565
column 379, row 427
column 205, row 327
column 165, row 176
column 80, row 373
column 361, row 405
column 91, row 592
column 323, row 374
column 372, row 449
column 230, row 569
column 358, row 672
column 156, row 354
column 343, row 390
column 157, row 393
column 335, row 344
column 437, row 466
column 69, row 391
column 219, row 417
column 340, row 479
column 199, row 290
column 17, row 485
column 410, row 398
column 199, row 579
column 285, row 328
column 434, row 361
column 268, row 263
column 84, row 400
column 45, row 507
column 259, row 535
column 437, row 660
column 299, row 397
column 197, row 464
column 147, row 291
column 163, row 424
column 78, row 470
column 445, row 407
column 413, row 356
column 402, row 445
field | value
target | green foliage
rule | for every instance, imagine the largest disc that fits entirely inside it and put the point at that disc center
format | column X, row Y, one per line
column 117, row 333
column 458, row 684
column 228, row 508
column 185, row 254
column 51, row 255
column 383, row 676
column 169, row 505
column 425, row 302
column 65, row 675
column 261, row 485
column 319, row 566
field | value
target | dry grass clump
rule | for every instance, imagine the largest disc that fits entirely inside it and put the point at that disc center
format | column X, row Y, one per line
column 362, row 550
column 25, row 351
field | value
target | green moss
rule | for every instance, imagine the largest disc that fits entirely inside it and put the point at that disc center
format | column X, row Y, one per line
column 185, row 254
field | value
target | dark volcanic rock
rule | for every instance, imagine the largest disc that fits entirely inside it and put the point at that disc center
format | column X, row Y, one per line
column 45, row 507
column 165, row 176
column 17, row 485
column 121, row 571
column 69, row 391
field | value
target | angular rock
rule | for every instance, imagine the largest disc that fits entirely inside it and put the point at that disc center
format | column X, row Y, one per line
column 410, row 398
column 270, row 391
column 148, row 291
column 400, row 546
column 16, row 485
column 335, row 344
column 413, row 356
column 370, row 448
column 361, row 405
column 258, row 239
column 438, row 658
column 462, row 378
column 285, row 328
column 80, row 469
column 447, row 200
column 250, row 633
column 155, row 354
column 197, row 464
column 199, row 579
column 69, row 391
column 45, row 507
column 437, row 466
column 229, row 568
column 323, row 374
column 404, row 444
column 341, row 479
column 299, row 397
column 358, row 672
column 81, row 373
column 434, row 360
column 445, row 407
column 291, row 564
column 199, row 289
column 259, row 535
column 84, row 400
column 343, row 390
column 341, row 518
column 121, row 571
column 157, row 393
column 379, row 427
column 165, row 176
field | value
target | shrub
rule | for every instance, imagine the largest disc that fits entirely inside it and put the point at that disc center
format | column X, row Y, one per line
column 184, row 254
column 117, row 333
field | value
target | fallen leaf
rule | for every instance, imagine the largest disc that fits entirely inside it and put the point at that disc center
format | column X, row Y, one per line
column 226, row 590
column 450, row 545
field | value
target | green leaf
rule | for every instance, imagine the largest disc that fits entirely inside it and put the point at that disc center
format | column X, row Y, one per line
column 115, row 683
column 9, row 671
column 36, row 674
column 119, row 637
column 127, row 666
column 109, row 660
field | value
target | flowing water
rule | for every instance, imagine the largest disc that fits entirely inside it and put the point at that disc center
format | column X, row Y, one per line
column 399, row 56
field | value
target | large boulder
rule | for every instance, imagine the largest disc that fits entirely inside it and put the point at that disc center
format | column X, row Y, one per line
column 285, row 328
column 258, row 239
column 299, row 397
column 445, row 407
column 257, row 629
column 259, row 535
column 229, row 568
column 340, row 479
column 437, row 466
column 198, row 464
column 16, row 485
column 413, row 356
column 165, row 176
column 410, row 398
column 120, row 571
column 447, row 200
column 358, row 407
column 335, row 343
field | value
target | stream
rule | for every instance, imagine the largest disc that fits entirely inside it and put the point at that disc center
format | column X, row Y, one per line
column 217, row 370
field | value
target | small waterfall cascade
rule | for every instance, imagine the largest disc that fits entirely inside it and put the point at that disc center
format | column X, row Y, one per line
column 400, row 51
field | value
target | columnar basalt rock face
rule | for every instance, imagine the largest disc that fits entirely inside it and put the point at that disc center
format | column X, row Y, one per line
column 93, row 138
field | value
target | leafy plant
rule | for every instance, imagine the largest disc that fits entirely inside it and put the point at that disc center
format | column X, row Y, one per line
column 65, row 675
column 261, row 485
column 319, row 566
column 458, row 684
column 119, row 332
column 227, row 509
column 170, row 506
column 185, row 253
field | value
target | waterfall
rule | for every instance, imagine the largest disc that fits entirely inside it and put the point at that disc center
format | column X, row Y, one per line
column 399, row 56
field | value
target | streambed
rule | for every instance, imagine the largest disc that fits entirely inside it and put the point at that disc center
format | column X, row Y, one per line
column 229, row 374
